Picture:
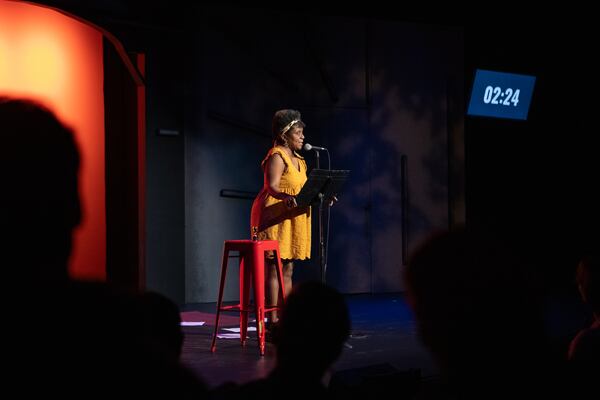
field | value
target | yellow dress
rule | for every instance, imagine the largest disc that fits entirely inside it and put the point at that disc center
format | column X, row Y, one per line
column 274, row 221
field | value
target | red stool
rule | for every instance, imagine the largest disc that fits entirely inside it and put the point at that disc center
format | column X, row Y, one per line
column 252, row 265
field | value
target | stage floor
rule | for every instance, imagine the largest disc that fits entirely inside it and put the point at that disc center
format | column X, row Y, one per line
column 383, row 341
column 383, row 336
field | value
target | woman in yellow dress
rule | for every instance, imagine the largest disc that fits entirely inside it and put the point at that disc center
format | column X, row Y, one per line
column 275, row 213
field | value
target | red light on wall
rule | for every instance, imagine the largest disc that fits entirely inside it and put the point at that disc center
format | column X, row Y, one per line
column 56, row 59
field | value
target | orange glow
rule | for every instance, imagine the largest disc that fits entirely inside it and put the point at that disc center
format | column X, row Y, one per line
column 42, row 64
column 57, row 60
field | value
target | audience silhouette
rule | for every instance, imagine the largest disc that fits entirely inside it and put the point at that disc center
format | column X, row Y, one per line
column 584, row 349
column 40, row 205
column 313, row 327
column 478, row 311
column 162, row 324
column 70, row 338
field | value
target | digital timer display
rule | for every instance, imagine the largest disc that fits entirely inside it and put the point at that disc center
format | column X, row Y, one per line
column 501, row 94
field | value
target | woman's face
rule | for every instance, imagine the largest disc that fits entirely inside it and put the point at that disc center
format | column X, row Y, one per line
column 295, row 138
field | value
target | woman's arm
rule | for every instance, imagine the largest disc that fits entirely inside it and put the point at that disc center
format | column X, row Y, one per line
column 273, row 171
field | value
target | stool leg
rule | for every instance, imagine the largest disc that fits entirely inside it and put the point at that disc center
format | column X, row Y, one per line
column 224, row 261
column 245, row 283
column 258, row 273
column 280, row 277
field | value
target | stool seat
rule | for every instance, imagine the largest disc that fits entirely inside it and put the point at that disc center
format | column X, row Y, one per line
column 252, row 273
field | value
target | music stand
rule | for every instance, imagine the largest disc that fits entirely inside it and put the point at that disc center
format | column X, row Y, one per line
column 322, row 185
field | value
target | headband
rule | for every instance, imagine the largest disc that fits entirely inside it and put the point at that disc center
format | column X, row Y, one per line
column 288, row 126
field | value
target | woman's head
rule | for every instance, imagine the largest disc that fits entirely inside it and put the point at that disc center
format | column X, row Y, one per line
column 288, row 129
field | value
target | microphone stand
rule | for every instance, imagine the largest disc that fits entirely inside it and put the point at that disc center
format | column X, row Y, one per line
column 322, row 265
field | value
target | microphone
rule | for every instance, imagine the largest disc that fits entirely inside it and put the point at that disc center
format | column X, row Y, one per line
column 309, row 147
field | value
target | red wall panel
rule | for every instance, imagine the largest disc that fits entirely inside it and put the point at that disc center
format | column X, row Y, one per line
column 56, row 59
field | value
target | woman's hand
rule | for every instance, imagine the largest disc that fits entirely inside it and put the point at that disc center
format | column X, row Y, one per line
column 290, row 202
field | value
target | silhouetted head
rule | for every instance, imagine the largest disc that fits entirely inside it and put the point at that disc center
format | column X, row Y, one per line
column 40, row 201
column 162, row 324
column 313, row 328
column 474, row 302
column 283, row 122
column 588, row 281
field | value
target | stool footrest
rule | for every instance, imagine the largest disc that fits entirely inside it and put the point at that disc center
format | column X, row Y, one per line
column 227, row 308
column 240, row 309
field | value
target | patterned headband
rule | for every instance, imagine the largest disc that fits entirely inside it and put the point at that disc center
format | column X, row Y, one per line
column 288, row 126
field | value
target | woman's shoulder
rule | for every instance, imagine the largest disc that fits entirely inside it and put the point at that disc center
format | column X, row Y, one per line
column 281, row 151
column 273, row 151
column 278, row 150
